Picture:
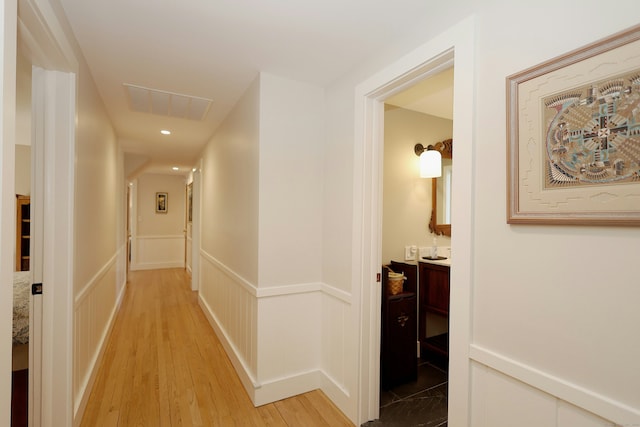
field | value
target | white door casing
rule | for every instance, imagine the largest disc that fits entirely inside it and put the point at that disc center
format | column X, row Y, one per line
column 54, row 96
column 44, row 41
column 453, row 46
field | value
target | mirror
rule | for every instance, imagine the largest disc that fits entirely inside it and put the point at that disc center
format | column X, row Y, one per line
column 441, row 191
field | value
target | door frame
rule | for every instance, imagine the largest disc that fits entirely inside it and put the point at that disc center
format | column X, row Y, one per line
column 455, row 45
column 195, row 229
column 8, row 197
column 44, row 40
column 51, row 344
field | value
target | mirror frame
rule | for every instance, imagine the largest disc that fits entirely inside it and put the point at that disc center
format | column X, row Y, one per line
column 446, row 149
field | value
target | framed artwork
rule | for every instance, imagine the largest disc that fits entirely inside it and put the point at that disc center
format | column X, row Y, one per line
column 190, row 203
column 162, row 202
column 573, row 137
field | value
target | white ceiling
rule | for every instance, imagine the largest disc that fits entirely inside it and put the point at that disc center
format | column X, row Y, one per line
column 213, row 49
column 433, row 95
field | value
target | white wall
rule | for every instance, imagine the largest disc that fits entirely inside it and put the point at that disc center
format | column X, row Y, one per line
column 230, row 189
column 159, row 238
column 407, row 197
column 290, row 221
column 229, row 233
column 542, row 304
column 554, row 339
column 262, row 169
column 99, row 235
column 23, row 125
column 23, row 170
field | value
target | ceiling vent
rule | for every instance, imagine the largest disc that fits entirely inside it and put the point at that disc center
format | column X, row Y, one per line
column 153, row 101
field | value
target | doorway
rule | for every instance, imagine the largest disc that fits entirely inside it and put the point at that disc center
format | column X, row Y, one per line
column 455, row 44
column 52, row 110
column 421, row 114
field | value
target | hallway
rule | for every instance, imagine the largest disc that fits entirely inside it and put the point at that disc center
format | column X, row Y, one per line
column 164, row 366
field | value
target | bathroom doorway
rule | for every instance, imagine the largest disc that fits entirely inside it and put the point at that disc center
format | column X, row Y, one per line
column 420, row 114
column 457, row 43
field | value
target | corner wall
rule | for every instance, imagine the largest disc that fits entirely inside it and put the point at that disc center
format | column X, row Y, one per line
column 261, row 182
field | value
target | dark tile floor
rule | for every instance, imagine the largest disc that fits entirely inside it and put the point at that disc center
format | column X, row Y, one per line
column 419, row 403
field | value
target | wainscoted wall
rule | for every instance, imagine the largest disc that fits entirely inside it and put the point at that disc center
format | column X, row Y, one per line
column 95, row 307
column 274, row 336
column 152, row 252
column 339, row 346
column 188, row 250
column 229, row 302
column 507, row 392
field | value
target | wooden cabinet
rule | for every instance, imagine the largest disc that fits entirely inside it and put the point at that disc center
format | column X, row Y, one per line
column 23, row 231
column 434, row 300
column 398, row 358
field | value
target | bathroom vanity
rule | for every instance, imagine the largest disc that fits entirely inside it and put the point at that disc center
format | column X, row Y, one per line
column 434, row 283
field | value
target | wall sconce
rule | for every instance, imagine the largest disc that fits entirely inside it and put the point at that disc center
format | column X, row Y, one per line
column 430, row 161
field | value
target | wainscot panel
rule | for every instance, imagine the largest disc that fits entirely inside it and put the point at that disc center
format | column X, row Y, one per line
column 507, row 392
column 95, row 307
column 155, row 252
column 282, row 340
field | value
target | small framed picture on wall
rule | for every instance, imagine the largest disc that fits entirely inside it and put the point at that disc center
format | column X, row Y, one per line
column 162, row 202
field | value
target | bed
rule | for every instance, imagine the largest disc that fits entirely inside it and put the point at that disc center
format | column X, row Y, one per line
column 21, row 293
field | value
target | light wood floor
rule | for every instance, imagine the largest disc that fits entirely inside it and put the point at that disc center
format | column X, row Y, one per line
column 164, row 366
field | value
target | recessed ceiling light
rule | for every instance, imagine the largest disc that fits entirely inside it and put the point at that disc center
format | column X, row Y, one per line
column 165, row 132
column 175, row 168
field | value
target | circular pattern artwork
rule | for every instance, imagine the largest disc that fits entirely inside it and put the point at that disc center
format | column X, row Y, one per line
column 593, row 136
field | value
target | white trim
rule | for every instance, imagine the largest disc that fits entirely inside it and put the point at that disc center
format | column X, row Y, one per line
column 338, row 294
column 54, row 101
column 156, row 265
column 248, row 380
column 282, row 388
column 86, row 290
column 457, row 43
column 575, row 394
column 161, row 237
column 44, row 36
column 273, row 389
column 195, row 231
column 248, row 286
column 8, row 200
column 275, row 291
column 85, row 389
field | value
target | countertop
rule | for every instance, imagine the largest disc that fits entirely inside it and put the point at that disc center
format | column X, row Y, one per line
column 446, row 262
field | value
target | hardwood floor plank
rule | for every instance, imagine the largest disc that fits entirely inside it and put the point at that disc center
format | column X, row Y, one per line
column 164, row 366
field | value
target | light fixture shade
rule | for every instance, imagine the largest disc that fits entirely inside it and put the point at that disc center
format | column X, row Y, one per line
column 430, row 164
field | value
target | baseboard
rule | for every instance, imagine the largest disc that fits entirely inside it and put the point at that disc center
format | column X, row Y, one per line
column 156, row 265
column 339, row 396
column 283, row 388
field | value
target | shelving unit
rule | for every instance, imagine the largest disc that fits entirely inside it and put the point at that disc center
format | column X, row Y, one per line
column 23, row 232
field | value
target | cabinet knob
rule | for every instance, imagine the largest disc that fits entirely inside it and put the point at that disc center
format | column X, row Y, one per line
column 402, row 320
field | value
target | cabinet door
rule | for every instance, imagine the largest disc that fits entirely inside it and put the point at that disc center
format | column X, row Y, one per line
column 399, row 359
column 438, row 291
column 434, row 288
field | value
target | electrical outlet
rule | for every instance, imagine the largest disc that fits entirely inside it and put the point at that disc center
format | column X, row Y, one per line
column 410, row 253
